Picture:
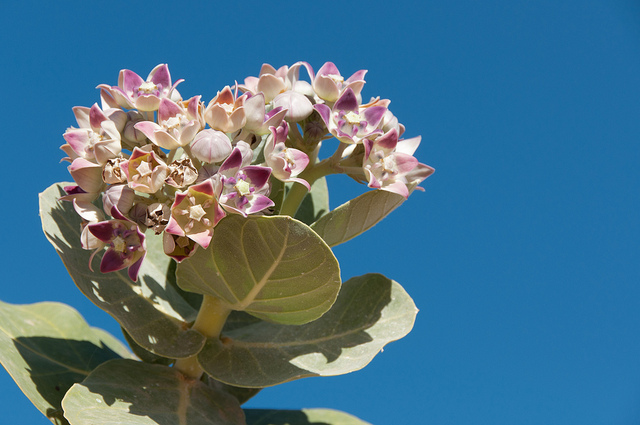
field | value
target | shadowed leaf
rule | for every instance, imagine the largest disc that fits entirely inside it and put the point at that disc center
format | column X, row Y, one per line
column 144, row 355
column 301, row 417
column 48, row 347
column 242, row 394
column 136, row 393
column 315, row 204
column 277, row 193
column 370, row 312
column 151, row 310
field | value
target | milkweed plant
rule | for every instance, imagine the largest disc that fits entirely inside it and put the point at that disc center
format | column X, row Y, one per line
column 204, row 229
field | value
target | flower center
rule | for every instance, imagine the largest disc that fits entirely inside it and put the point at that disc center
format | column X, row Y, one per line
column 196, row 212
column 93, row 139
column 389, row 166
column 384, row 166
column 353, row 118
column 119, row 244
column 173, row 122
column 336, row 78
column 228, row 107
column 243, row 188
column 147, row 88
column 144, row 169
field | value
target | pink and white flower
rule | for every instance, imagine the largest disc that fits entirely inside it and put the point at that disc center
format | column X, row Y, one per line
column 348, row 122
column 145, row 171
column 125, row 244
column 89, row 213
column 195, row 213
column 98, row 138
column 242, row 189
column 389, row 164
column 225, row 112
column 286, row 163
column 258, row 120
column 272, row 82
column 178, row 247
column 132, row 92
column 177, row 124
column 328, row 84
column 87, row 174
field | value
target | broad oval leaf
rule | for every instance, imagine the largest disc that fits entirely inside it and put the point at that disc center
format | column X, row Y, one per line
column 144, row 355
column 357, row 216
column 242, row 394
column 47, row 347
column 370, row 312
column 151, row 310
column 136, row 393
column 275, row 268
column 301, row 417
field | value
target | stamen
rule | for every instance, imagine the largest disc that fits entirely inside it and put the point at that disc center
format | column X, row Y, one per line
column 336, row 78
column 353, row 118
column 147, row 88
column 119, row 244
column 243, row 188
column 196, row 212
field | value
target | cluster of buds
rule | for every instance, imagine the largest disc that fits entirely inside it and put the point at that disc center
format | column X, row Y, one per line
column 159, row 164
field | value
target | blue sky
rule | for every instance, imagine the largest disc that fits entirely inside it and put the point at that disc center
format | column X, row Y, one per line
column 522, row 253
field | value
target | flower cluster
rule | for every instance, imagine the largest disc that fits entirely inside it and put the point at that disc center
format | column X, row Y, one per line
column 157, row 163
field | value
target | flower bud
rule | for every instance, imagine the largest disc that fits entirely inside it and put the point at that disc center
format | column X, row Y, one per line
column 211, row 146
column 298, row 106
column 131, row 134
column 120, row 196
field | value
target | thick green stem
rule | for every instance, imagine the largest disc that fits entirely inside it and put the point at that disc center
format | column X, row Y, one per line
column 172, row 154
column 312, row 173
column 210, row 321
column 298, row 191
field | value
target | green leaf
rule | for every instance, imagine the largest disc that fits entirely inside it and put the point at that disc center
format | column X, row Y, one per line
column 48, row 347
column 315, row 204
column 136, row 393
column 356, row 216
column 144, row 355
column 277, row 193
column 193, row 299
column 275, row 268
column 154, row 314
column 301, row 417
column 242, row 394
column 370, row 312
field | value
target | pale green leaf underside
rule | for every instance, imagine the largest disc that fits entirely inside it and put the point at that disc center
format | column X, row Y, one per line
column 47, row 347
column 151, row 310
column 135, row 393
column 356, row 216
column 301, row 417
column 274, row 268
column 370, row 312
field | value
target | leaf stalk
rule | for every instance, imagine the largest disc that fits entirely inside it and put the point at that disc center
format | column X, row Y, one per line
column 209, row 322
